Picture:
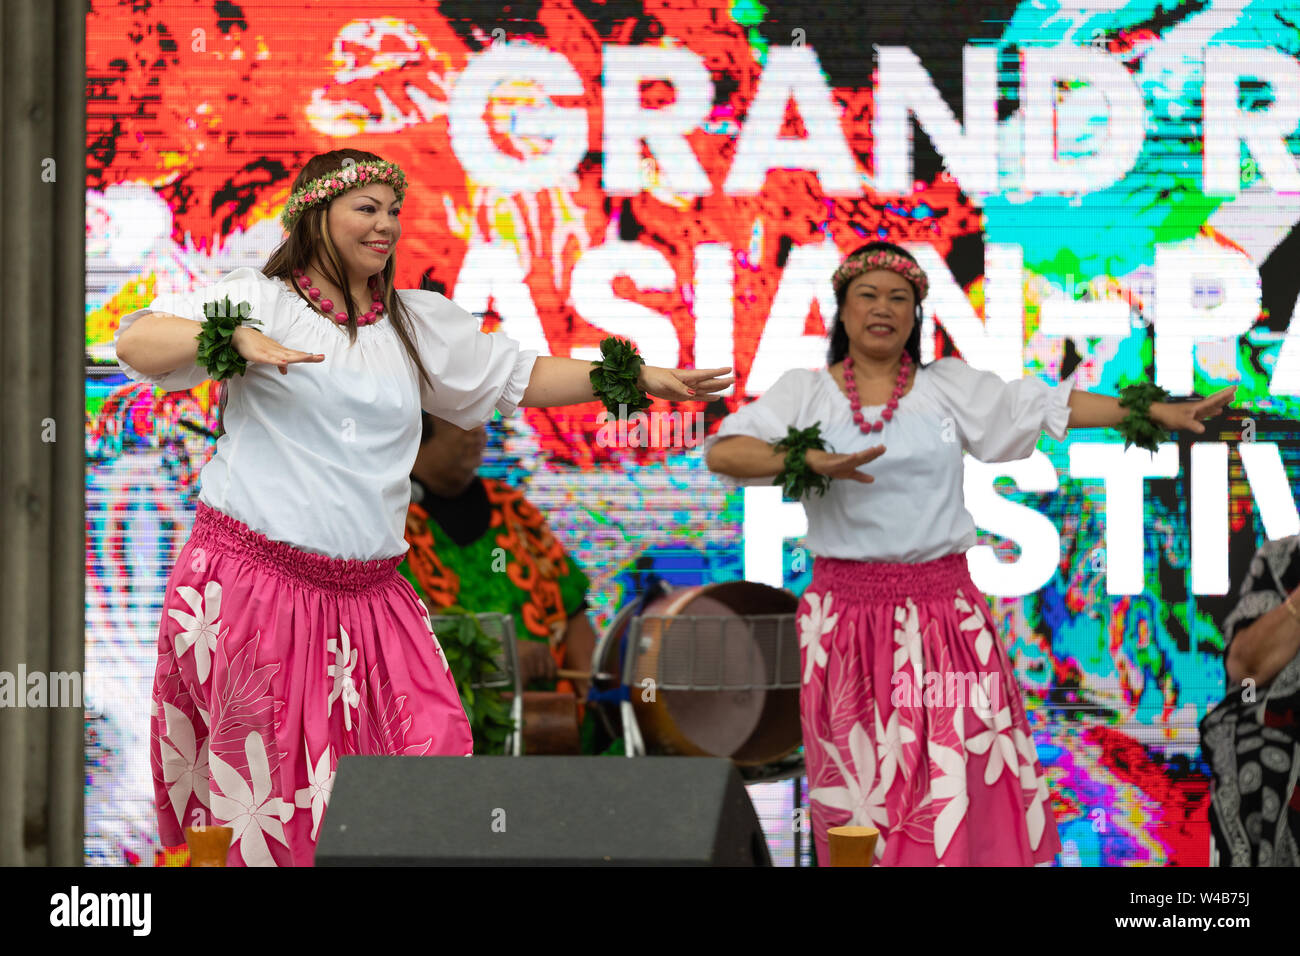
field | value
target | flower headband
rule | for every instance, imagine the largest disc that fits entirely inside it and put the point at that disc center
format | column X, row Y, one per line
column 854, row 266
column 352, row 175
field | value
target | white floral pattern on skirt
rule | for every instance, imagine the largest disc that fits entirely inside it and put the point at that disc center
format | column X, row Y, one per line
column 913, row 722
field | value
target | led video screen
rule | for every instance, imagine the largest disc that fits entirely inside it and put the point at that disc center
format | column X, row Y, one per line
column 1109, row 191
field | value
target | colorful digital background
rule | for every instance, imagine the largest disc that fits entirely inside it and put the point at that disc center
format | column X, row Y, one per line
column 200, row 115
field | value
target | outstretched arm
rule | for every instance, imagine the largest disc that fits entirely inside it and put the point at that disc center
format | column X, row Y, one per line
column 742, row 456
column 1104, row 411
column 567, row 381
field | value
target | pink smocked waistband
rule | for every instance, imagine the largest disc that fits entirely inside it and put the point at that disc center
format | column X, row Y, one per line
column 880, row 581
column 218, row 532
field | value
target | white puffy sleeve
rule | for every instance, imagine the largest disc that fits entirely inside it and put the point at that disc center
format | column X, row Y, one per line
column 997, row 420
column 241, row 285
column 473, row 372
column 768, row 419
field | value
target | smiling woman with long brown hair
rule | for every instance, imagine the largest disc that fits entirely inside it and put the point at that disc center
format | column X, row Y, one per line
column 288, row 637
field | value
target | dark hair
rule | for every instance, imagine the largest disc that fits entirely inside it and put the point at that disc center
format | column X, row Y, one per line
column 426, row 428
column 310, row 235
column 839, row 344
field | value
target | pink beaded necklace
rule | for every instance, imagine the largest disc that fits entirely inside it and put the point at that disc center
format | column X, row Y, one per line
column 856, row 403
column 327, row 305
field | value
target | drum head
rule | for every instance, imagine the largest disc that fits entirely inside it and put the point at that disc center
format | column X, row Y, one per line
column 717, row 722
column 701, row 636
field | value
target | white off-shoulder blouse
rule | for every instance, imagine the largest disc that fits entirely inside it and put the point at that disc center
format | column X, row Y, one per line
column 914, row 510
column 320, row 458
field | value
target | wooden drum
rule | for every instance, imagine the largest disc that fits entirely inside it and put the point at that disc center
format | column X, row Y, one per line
column 699, row 648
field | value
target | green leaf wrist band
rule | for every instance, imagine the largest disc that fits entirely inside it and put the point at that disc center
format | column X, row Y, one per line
column 1137, row 427
column 216, row 353
column 797, row 478
column 614, row 378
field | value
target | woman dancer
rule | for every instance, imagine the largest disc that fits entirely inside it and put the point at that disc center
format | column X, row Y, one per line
column 912, row 721
column 288, row 637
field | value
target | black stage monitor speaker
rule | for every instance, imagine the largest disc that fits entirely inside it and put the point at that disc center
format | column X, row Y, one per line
column 511, row 811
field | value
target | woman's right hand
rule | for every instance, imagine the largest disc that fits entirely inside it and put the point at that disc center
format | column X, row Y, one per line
column 843, row 466
column 255, row 347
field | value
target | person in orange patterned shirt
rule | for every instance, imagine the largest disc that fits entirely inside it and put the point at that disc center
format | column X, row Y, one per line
column 479, row 543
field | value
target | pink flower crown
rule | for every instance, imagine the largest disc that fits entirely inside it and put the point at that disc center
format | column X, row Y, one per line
column 352, row 175
column 854, row 266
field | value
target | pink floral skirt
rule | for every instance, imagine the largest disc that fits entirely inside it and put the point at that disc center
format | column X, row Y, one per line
column 273, row 663
column 912, row 720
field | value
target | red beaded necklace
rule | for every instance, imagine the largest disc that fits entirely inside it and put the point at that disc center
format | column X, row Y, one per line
column 856, row 403
column 327, row 305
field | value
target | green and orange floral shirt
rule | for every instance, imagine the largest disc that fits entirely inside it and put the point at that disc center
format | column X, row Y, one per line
column 490, row 550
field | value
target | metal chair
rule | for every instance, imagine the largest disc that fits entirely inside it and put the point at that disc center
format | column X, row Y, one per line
column 501, row 627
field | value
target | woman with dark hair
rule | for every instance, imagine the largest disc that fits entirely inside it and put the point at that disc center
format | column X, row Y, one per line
column 839, row 348
column 912, row 720
column 288, row 637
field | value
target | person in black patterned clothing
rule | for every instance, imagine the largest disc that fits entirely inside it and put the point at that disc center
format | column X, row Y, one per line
column 1252, row 737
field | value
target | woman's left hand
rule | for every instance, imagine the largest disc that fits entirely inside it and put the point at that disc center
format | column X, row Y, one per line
column 684, row 384
column 1187, row 416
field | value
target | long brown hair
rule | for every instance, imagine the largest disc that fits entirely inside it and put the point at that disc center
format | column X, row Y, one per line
column 310, row 239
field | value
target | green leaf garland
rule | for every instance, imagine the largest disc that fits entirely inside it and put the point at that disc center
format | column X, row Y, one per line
column 797, row 478
column 215, row 352
column 1137, row 427
column 614, row 377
